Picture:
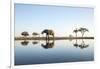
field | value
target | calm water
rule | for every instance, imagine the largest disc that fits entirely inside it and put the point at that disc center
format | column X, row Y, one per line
column 39, row 52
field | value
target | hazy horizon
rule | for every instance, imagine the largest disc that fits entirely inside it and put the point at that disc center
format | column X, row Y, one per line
column 61, row 19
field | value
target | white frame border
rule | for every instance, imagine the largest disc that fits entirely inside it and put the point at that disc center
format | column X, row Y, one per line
column 12, row 66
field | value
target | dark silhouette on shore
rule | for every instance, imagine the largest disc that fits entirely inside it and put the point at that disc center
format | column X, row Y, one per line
column 83, row 30
column 48, row 33
column 75, row 31
column 25, row 34
column 51, row 38
column 35, row 34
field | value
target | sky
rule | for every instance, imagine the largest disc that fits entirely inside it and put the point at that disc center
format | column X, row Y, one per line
column 61, row 19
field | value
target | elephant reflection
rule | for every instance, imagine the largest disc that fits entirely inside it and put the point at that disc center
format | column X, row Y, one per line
column 82, row 45
column 24, row 43
column 48, row 44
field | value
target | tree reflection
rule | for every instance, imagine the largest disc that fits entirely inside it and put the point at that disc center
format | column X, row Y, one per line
column 82, row 45
column 35, row 42
column 24, row 43
column 76, row 44
column 48, row 44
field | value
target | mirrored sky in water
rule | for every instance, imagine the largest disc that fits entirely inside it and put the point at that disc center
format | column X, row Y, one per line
column 36, row 18
column 26, row 52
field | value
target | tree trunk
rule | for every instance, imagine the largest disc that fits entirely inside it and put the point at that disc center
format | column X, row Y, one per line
column 46, row 36
column 76, row 35
column 53, row 37
column 82, row 34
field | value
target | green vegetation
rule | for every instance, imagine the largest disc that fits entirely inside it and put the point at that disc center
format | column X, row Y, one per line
column 35, row 34
column 83, row 30
column 25, row 34
column 75, row 31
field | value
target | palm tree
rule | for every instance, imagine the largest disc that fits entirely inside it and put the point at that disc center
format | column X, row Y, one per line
column 35, row 34
column 83, row 30
column 25, row 34
column 75, row 31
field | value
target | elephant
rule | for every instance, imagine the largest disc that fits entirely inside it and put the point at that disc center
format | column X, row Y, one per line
column 48, row 32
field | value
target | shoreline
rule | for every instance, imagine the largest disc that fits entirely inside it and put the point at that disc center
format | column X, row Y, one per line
column 51, row 38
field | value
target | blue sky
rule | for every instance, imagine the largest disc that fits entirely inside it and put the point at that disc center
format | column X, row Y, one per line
column 36, row 18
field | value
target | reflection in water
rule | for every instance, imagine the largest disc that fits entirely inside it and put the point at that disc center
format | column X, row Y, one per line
column 35, row 42
column 24, row 43
column 82, row 45
column 48, row 44
column 45, row 52
column 70, row 39
column 76, row 45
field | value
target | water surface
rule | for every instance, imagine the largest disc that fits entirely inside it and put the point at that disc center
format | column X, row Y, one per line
column 39, row 52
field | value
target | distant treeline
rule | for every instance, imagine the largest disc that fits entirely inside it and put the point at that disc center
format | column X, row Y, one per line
column 50, row 35
column 51, row 38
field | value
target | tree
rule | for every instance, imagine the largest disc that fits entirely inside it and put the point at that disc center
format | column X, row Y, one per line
column 75, row 31
column 83, row 30
column 25, row 34
column 35, row 34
